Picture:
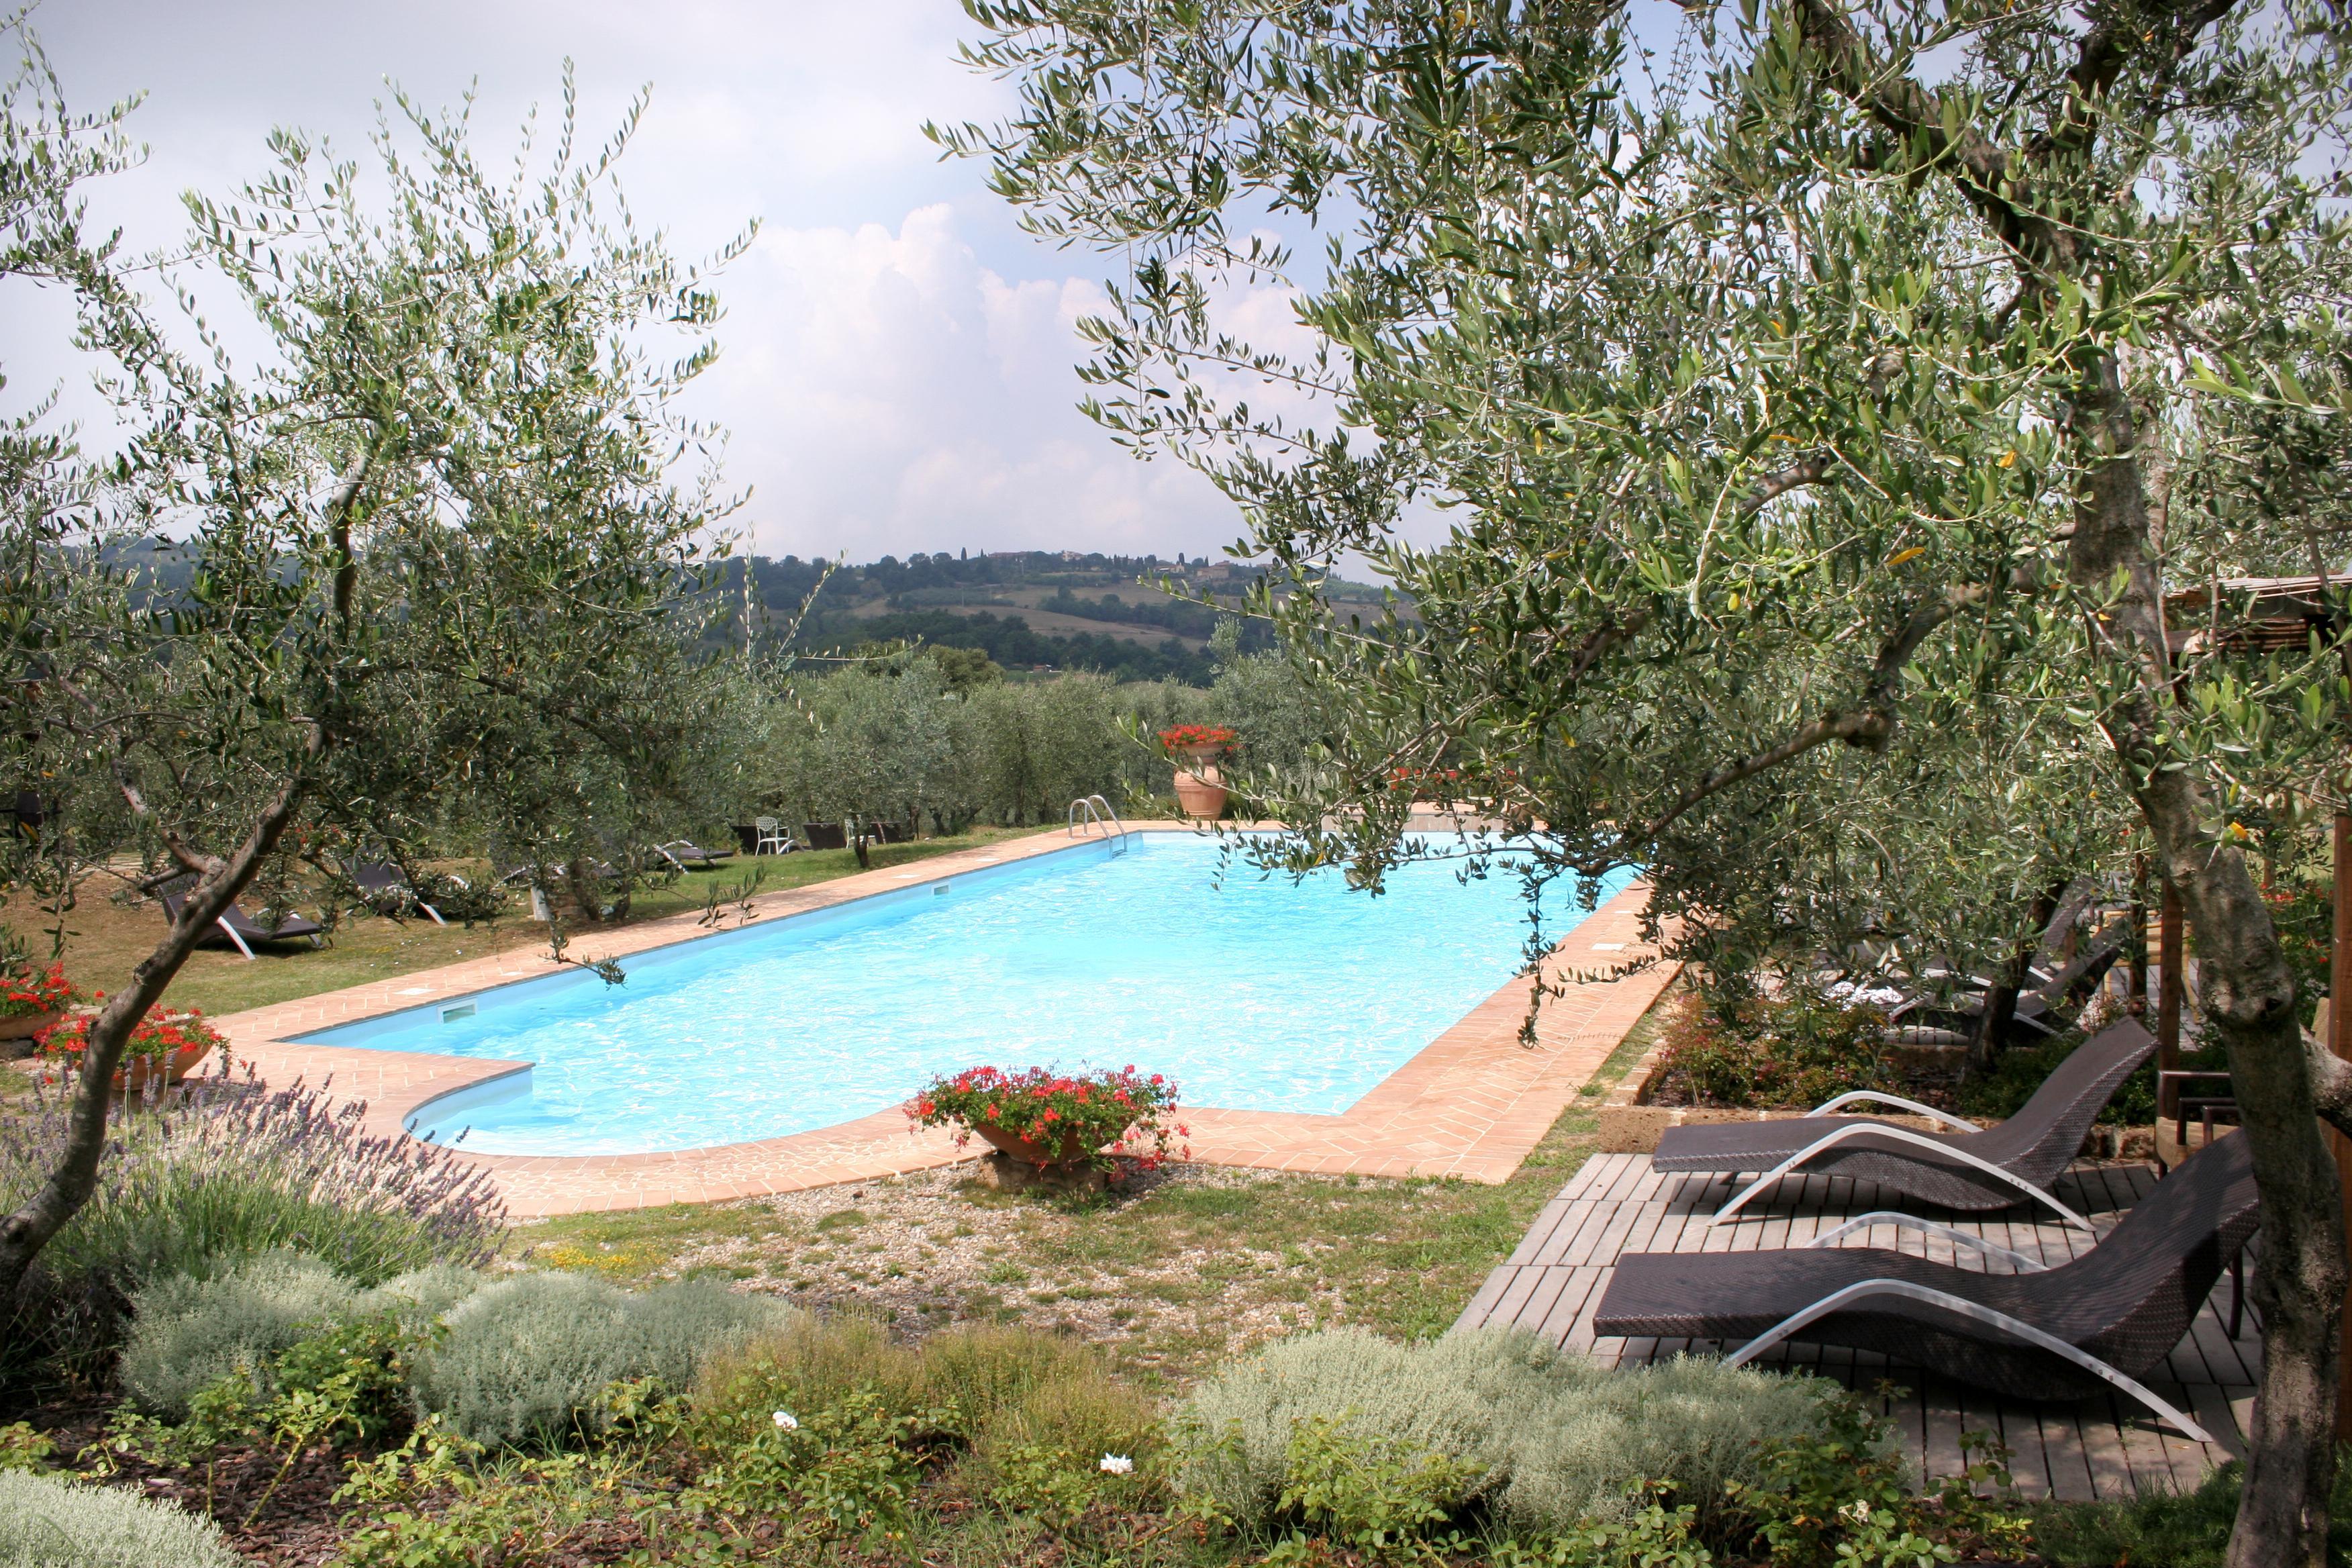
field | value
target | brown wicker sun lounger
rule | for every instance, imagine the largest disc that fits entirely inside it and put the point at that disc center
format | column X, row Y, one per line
column 1965, row 1168
column 2108, row 1317
column 380, row 882
column 678, row 852
column 241, row 929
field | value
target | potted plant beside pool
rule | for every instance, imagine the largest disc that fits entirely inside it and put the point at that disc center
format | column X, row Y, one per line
column 166, row 1046
column 1201, row 790
column 33, row 1000
column 1069, row 1127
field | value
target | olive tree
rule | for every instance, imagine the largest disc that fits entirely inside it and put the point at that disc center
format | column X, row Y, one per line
column 872, row 743
column 447, row 530
column 1782, row 416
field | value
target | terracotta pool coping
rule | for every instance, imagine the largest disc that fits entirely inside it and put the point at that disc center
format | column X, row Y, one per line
column 1470, row 1103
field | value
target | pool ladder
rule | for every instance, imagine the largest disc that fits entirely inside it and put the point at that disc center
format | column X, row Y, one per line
column 1086, row 813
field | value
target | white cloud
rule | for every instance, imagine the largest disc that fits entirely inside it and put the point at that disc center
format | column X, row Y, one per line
column 889, row 389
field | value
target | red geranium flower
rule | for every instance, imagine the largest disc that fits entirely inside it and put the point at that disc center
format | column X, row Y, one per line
column 1109, row 1114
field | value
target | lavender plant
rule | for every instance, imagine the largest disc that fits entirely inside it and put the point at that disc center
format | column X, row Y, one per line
column 220, row 1169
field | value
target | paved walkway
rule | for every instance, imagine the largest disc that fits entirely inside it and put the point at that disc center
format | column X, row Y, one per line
column 1471, row 1104
column 2077, row 1450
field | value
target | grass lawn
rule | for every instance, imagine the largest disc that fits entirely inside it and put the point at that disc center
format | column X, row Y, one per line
column 1170, row 1279
column 108, row 938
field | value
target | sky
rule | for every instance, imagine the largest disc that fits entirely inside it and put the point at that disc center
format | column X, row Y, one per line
column 896, row 369
column 897, row 358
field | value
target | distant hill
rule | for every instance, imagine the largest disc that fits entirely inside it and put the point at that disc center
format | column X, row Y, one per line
column 1028, row 610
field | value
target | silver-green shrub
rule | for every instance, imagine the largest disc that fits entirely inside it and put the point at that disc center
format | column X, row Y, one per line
column 1691, row 1421
column 522, row 1361
column 189, row 1333
column 422, row 1295
column 1459, row 1396
column 672, row 1328
column 1549, row 1437
column 50, row 1523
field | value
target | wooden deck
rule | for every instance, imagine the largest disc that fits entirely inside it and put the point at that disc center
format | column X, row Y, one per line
column 2099, row 1447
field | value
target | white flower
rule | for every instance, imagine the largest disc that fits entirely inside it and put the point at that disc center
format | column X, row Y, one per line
column 1117, row 1465
column 1857, row 1511
column 784, row 1422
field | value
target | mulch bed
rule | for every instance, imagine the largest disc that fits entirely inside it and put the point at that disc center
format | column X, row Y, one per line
column 301, row 1526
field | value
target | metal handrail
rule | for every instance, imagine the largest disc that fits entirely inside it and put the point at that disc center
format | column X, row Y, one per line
column 1088, row 803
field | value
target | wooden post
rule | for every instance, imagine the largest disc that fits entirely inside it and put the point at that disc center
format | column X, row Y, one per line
column 2171, row 986
column 2137, row 998
column 2340, row 1040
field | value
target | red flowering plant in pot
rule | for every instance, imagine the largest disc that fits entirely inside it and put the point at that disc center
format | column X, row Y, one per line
column 167, row 1046
column 33, row 999
column 1049, row 1119
column 1200, row 742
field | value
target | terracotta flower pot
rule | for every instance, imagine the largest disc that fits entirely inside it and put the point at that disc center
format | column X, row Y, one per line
column 1069, row 1152
column 25, row 1026
column 137, row 1073
column 1200, row 791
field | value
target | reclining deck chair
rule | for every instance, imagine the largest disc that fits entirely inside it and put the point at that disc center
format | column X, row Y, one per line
column 1967, row 1168
column 680, row 852
column 241, row 929
column 2110, row 1316
column 381, row 881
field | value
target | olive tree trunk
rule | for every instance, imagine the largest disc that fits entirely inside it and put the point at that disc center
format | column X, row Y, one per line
column 69, row 1186
column 2000, row 1000
column 2248, row 999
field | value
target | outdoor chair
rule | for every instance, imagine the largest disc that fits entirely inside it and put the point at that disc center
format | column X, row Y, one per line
column 1919, row 1017
column 2040, row 1007
column 241, row 929
column 2109, row 1316
column 1967, row 1168
column 524, row 872
column 380, row 883
column 774, row 838
column 2207, row 1108
column 678, row 852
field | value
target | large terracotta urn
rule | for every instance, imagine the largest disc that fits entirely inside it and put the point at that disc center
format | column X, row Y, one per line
column 1028, row 1153
column 137, row 1073
column 25, row 1026
column 1201, row 791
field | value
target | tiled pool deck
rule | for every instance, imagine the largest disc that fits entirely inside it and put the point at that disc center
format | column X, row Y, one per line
column 1470, row 1103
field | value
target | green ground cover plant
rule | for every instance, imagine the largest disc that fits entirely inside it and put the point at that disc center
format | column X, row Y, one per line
column 2187, row 1529
column 888, row 1455
column 189, row 1333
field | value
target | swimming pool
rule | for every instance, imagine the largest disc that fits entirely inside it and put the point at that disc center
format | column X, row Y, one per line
column 1255, row 994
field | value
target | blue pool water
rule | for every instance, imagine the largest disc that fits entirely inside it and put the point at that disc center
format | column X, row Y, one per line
column 1262, row 994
